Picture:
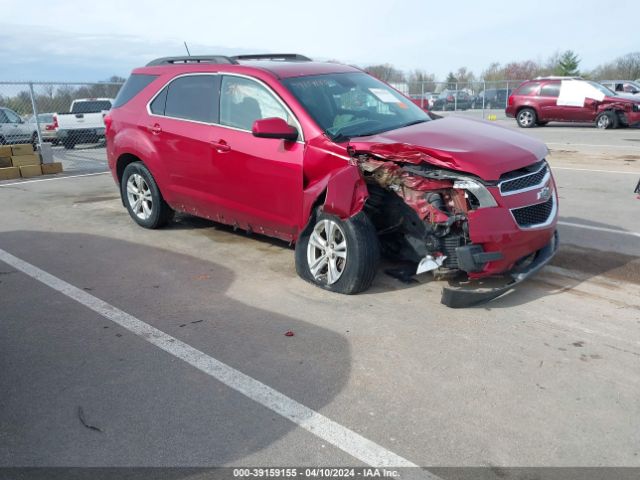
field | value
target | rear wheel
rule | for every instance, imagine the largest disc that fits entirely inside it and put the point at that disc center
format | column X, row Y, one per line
column 527, row 118
column 34, row 140
column 142, row 197
column 338, row 255
column 607, row 120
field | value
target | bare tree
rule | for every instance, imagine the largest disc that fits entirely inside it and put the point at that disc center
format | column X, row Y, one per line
column 385, row 72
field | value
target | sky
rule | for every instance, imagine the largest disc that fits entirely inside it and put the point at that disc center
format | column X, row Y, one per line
column 67, row 40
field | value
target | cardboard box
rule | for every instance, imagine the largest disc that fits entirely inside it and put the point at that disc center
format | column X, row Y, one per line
column 49, row 168
column 5, row 151
column 9, row 173
column 23, row 160
column 22, row 149
column 30, row 171
column 5, row 162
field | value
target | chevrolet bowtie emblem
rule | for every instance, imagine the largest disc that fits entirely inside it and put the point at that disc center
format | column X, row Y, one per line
column 544, row 193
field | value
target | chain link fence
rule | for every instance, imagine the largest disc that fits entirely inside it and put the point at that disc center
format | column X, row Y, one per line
column 485, row 97
column 42, row 112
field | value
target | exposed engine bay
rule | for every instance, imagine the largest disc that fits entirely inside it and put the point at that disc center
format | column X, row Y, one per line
column 420, row 214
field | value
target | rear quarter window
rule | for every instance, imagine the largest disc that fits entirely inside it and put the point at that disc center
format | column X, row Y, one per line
column 550, row 90
column 132, row 87
column 527, row 89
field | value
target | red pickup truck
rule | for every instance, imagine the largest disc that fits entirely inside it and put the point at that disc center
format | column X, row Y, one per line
column 329, row 158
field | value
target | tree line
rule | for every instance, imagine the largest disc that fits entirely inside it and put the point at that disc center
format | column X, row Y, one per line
column 567, row 63
column 58, row 98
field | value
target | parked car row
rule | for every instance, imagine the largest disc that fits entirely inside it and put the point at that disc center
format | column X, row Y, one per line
column 84, row 123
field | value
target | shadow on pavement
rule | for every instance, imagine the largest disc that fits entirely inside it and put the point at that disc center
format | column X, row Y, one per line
column 152, row 409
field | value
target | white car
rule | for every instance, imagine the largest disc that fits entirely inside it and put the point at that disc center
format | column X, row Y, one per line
column 14, row 130
column 84, row 123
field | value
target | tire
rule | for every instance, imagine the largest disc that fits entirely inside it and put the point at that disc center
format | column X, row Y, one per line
column 152, row 211
column 34, row 140
column 68, row 144
column 606, row 120
column 353, row 272
column 527, row 118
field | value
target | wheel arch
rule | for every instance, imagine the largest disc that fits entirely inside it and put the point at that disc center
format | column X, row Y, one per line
column 342, row 193
column 530, row 107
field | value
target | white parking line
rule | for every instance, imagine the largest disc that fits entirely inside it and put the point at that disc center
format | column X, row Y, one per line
column 54, row 178
column 599, row 229
column 591, row 170
column 332, row 432
column 631, row 147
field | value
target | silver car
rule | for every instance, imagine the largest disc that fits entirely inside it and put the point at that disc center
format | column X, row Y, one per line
column 47, row 127
column 14, row 130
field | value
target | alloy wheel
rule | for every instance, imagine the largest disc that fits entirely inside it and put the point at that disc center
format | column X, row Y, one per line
column 327, row 252
column 526, row 118
column 139, row 196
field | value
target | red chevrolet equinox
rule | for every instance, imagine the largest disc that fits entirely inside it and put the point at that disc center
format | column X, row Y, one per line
column 329, row 158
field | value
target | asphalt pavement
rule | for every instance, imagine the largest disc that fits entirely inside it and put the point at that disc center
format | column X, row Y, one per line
column 127, row 347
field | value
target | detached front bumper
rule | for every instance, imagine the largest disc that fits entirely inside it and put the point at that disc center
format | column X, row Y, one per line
column 463, row 297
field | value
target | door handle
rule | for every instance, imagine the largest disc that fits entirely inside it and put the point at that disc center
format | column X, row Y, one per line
column 221, row 146
column 155, row 129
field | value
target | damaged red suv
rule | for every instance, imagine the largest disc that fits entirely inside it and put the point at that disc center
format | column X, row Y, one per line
column 344, row 166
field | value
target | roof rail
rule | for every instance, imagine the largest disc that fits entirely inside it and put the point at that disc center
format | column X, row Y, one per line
column 558, row 77
column 282, row 57
column 191, row 59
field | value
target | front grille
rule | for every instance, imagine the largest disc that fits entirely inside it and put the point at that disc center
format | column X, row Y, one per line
column 533, row 214
column 527, row 181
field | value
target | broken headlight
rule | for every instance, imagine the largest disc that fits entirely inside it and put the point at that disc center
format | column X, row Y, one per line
column 478, row 190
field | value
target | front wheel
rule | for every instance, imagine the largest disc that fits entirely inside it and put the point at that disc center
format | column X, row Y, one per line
column 142, row 197
column 526, row 118
column 607, row 120
column 338, row 255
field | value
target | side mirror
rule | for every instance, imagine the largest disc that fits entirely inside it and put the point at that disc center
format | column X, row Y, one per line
column 274, row 128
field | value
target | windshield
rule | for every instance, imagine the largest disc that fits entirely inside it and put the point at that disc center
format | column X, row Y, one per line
column 92, row 106
column 602, row 89
column 347, row 105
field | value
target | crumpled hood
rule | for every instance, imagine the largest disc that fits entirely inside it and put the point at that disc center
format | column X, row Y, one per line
column 470, row 146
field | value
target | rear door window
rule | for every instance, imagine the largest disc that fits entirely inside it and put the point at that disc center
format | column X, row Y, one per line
column 550, row 90
column 193, row 97
column 158, row 104
column 3, row 117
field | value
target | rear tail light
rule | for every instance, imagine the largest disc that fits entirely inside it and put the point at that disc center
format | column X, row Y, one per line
column 511, row 100
column 107, row 122
column 50, row 126
column 54, row 125
column 450, row 98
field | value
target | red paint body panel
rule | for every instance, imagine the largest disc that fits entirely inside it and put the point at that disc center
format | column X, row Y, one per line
column 471, row 146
